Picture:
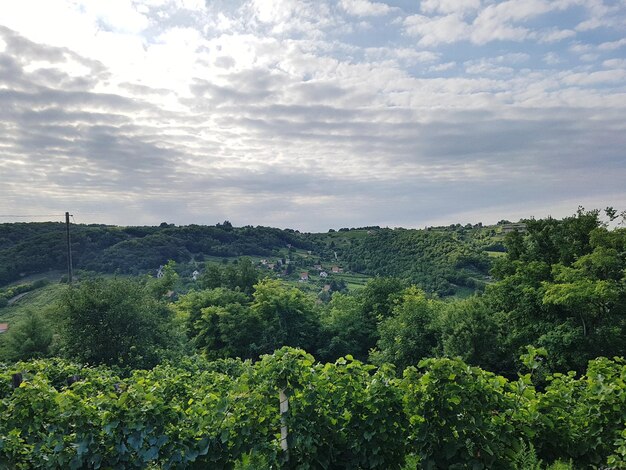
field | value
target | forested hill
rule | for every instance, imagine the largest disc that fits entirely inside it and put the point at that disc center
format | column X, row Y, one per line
column 27, row 248
column 439, row 260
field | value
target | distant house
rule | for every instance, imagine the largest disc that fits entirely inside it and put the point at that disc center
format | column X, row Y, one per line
column 4, row 327
column 318, row 267
column 160, row 272
column 304, row 277
column 271, row 266
column 324, row 274
column 337, row 269
column 326, row 287
column 194, row 275
column 508, row 228
column 264, row 262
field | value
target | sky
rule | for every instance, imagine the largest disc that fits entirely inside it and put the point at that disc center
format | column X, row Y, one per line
column 311, row 114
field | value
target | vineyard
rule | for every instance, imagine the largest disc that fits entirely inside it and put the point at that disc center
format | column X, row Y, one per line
column 225, row 415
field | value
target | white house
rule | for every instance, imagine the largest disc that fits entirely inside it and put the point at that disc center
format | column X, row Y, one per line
column 324, row 274
column 194, row 275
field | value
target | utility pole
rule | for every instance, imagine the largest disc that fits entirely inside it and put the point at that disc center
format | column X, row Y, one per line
column 69, row 248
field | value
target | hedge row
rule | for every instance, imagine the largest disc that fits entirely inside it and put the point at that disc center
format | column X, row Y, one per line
column 346, row 415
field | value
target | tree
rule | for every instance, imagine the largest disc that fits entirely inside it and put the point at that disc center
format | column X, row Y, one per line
column 232, row 330
column 241, row 275
column 165, row 284
column 408, row 335
column 469, row 329
column 115, row 322
column 288, row 316
column 590, row 296
column 211, row 278
column 189, row 306
column 220, row 322
column 247, row 275
column 346, row 329
column 30, row 338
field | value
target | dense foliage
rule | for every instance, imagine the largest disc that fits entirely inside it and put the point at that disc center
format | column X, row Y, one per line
column 342, row 415
column 115, row 322
column 27, row 248
column 438, row 261
column 557, row 300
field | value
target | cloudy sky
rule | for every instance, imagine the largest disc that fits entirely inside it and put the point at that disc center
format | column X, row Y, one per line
column 311, row 114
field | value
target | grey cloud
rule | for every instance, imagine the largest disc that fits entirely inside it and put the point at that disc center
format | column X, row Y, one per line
column 224, row 62
column 144, row 90
column 261, row 146
column 220, row 95
column 318, row 92
column 27, row 50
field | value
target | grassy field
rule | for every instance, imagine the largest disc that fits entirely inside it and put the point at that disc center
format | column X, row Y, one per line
column 38, row 300
column 495, row 254
column 353, row 281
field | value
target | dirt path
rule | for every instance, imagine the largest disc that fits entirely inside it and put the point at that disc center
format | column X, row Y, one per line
column 17, row 297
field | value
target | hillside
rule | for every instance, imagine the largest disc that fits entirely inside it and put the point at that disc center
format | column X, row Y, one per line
column 446, row 261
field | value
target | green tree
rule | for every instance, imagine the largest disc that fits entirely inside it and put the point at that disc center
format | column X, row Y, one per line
column 189, row 307
column 232, row 330
column 115, row 322
column 288, row 316
column 590, row 296
column 408, row 335
column 160, row 287
column 346, row 329
column 247, row 275
column 211, row 278
column 469, row 329
column 29, row 338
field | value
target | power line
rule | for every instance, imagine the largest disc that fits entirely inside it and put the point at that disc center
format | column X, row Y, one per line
column 69, row 248
column 31, row 215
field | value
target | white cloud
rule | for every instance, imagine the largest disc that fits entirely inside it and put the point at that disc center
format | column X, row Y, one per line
column 555, row 35
column 403, row 55
column 551, row 58
column 484, row 23
column 194, row 5
column 612, row 45
column 269, row 108
column 595, row 78
column 442, row 67
column 500, row 65
column 484, row 67
column 301, row 16
column 364, row 7
column 116, row 15
column 449, row 6
column 439, row 30
column 615, row 63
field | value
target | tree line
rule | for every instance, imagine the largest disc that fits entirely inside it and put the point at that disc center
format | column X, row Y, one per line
column 439, row 262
